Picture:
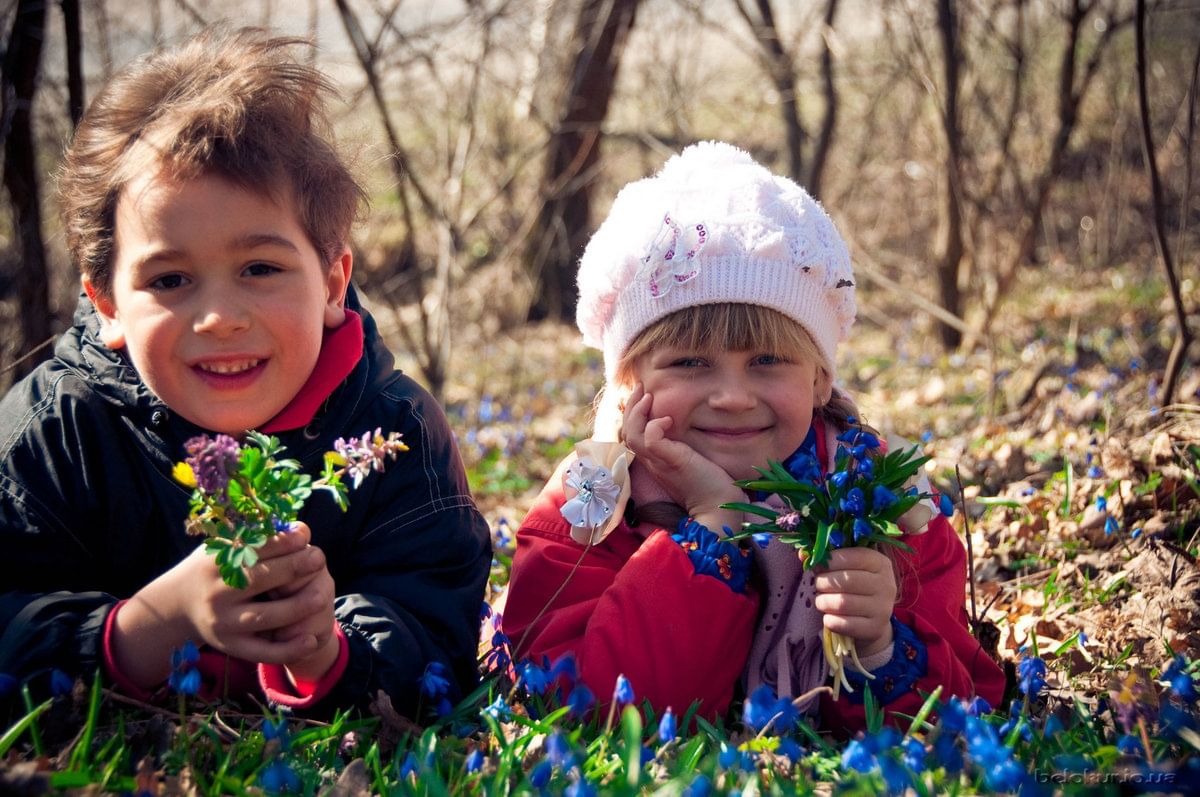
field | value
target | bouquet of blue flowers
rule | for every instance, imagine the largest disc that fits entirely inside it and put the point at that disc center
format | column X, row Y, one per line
column 243, row 494
column 858, row 504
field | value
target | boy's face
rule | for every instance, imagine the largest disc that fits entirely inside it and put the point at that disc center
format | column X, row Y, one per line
column 218, row 297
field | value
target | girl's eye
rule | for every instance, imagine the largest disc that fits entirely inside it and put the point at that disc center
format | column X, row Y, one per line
column 687, row 362
column 769, row 359
column 168, row 282
column 261, row 269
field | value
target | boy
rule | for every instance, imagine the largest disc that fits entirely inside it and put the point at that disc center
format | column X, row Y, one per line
column 209, row 216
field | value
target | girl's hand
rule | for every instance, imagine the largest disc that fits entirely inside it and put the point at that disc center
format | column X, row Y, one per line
column 696, row 483
column 857, row 591
column 190, row 601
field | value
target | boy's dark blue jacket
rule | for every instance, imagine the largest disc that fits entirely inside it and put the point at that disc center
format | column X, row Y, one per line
column 89, row 514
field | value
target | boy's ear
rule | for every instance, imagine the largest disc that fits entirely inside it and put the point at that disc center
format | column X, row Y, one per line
column 112, row 334
column 336, row 284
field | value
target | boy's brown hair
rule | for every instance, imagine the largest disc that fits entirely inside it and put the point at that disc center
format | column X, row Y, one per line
column 237, row 104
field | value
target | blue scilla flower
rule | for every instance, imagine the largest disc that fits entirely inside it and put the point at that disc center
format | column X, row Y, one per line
column 1031, row 674
column 1052, row 727
column 580, row 700
column 186, row 655
column 763, row 710
column 868, row 440
column 277, row 730
column 946, row 505
column 762, row 539
column 434, row 682
column 803, row 466
column 850, row 436
column 858, row 757
column 580, row 788
column 895, row 777
column 839, row 478
column 623, row 690
column 564, row 667
column 60, row 683
column 281, row 526
column 953, row 715
column 410, row 766
column 666, row 727
column 837, row 539
column 791, row 748
column 727, row 758
column 914, row 754
column 1095, row 472
column 859, row 452
column 498, row 709
column 8, row 684
column 882, row 497
column 1110, row 526
column 498, row 658
column 532, row 677
column 1129, row 745
column 186, row 682
column 947, row 753
column 1101, row 504
column 1179, row 680
column 279, row 778
column 475, row 760
column 854, row 503
column 866, row 468
column 558, row 751
column 1005, row 775
column 539, row 776
column 485, row 611
column 979, row 707
column 700, row 786
column 862, row 530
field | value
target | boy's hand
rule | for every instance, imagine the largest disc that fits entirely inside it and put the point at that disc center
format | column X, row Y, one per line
column 698, row 484
column 190, row 601
column 857, row 591
column 315, row 591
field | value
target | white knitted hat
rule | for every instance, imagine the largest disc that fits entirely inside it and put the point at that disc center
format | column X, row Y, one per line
column 713, row 226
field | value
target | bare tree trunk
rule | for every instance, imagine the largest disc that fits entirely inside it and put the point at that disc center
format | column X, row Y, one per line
column 829, row 120
column 952, row 252
column 1183, row 336
column 573, row 155
column 782, row 70
column 22, row 62
column 74, row 45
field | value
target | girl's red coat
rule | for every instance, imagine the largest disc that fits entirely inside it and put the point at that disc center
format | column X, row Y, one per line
column 635, row 606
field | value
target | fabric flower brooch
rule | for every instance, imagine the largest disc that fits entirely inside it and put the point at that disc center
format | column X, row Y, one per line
column 596, row 485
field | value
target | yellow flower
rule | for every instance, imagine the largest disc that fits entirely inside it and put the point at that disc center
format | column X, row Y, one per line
column 184, row 474
column 334, row 458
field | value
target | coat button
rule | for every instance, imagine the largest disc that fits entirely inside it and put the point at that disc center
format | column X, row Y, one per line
column 312, row 431
column 158, row 417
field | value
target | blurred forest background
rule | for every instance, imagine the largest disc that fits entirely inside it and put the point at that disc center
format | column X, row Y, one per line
column 1015, row 178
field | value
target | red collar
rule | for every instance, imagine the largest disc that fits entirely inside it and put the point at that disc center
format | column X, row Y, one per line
column 341, row 349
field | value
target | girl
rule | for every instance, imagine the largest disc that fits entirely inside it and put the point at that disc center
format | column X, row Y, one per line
column 718, row 294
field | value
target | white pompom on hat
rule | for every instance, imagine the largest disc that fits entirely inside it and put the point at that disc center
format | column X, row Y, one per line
column 713, row 226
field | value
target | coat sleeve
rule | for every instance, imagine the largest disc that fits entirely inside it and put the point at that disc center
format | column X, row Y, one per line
column 410, row 580
column 627, row 606
column 933, row 591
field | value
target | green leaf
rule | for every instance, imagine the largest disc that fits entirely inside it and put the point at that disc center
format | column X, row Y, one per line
column 755, row 509
column 631, row 732
column 83, row 750
column 27, row 722
column 821, row 543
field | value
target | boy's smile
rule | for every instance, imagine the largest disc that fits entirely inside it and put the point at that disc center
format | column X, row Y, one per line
column 737, row 409
column 218, row 297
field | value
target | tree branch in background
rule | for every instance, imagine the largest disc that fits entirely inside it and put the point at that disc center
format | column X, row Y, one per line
column 74, row 47
column 952, row 250
column 1183, row 334
column 573, row 155
column 829, row 90
column 18, row 82
column 781, row 68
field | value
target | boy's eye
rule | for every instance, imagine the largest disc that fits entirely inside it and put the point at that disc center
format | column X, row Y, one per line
column 168, row 282
column 261, row 269
column 687, row 362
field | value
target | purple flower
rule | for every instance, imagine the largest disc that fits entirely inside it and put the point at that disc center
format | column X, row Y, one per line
column 367, row 453
column 213, row 460
column 788, row 521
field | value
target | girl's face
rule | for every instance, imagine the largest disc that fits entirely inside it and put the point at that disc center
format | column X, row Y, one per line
column 738, row 409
